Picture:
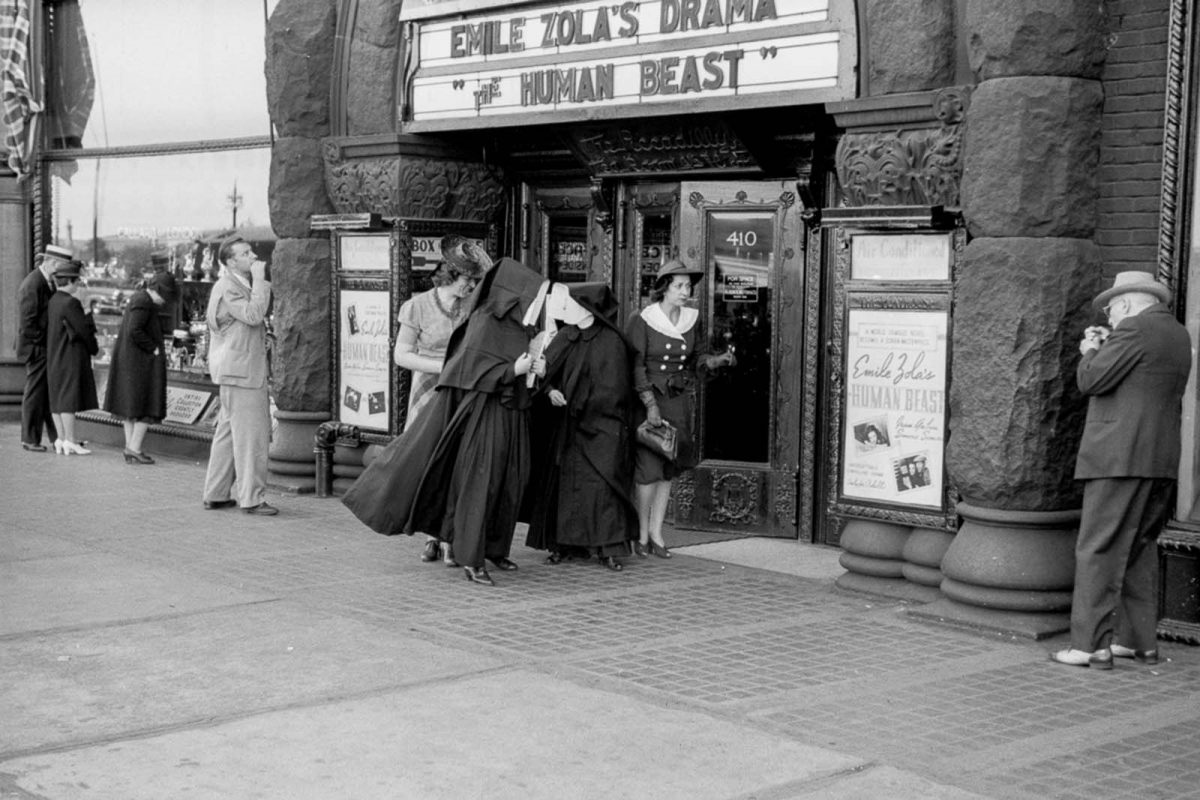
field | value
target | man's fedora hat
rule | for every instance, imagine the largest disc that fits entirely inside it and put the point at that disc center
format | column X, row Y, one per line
column 1133, row 281
column 677, row 267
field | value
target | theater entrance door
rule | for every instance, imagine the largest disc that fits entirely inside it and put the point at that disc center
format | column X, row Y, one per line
column 748, row 237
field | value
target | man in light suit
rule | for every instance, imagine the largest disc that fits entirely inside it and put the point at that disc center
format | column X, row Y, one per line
column 237, row 362
column 1134, row 377
column 32, row 298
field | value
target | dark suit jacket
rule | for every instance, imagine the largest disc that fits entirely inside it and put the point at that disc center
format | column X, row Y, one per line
column 1135, row 385
column 32, row 298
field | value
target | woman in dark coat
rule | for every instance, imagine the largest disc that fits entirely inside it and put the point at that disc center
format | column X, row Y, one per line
column 664, row 337
column 137, row 379
column 70, row 345
column 460, row 471
column 581, row 495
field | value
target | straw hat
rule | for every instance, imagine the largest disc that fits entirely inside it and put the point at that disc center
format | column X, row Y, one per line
column 1133, row 281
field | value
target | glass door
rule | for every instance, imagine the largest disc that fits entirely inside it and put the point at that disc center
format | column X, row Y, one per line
column 748, row 238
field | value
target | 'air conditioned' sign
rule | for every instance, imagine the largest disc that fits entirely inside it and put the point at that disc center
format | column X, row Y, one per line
column 527, row 63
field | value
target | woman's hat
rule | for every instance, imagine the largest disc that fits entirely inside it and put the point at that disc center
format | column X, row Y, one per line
column 1133, row 281
column 69, row 269
column 164, row 284
column 677, row 267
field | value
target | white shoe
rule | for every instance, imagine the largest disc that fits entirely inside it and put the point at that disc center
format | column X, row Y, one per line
column 1145, row 656
column 72, row 449
column 1100, row 659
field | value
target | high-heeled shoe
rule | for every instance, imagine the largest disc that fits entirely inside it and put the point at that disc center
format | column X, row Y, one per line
column 641, row 550
column 73, row 449
column 611, row 563
column 431, row 550
column 479, row 576
column 447, row 553
column 134, row 457
column 659, row 550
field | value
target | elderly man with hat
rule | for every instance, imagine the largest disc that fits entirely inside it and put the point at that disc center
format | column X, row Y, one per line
column 33, row 297
column 1133, row 374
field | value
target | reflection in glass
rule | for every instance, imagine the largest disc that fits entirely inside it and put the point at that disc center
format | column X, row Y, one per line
column 568, row 248
column 130, row 72
column 737, row 402
column 114, row 213
column 656, row 249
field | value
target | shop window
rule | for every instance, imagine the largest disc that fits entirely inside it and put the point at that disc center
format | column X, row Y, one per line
column 123, row 73
column 115, row 212
column 656, row 243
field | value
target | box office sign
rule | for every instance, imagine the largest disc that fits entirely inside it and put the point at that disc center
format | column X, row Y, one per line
column 895, row 406
column 594, row 59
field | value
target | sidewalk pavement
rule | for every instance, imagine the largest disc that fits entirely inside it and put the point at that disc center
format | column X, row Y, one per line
column 152, row 649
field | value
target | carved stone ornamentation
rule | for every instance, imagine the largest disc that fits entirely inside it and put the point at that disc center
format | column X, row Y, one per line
column 683, row 494
column 735, row 498
column 921, row 167
column 412, row 186
column 657, row 147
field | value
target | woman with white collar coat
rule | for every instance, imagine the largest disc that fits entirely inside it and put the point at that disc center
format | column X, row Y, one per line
column 665, row 365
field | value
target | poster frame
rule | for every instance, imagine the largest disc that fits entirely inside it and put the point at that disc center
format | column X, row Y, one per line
column 383, row 278
column 924, row 296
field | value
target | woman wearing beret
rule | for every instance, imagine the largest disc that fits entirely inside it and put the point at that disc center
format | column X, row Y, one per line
column 70, row 345
column 665, row 366
column 137, row 379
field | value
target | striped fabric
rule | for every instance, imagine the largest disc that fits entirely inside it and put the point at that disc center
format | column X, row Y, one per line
column 17, row 101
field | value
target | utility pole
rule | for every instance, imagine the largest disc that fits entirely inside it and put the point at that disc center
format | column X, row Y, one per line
column 235, row 202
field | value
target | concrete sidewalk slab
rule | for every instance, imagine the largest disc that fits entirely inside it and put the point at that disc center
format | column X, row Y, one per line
column 777, row 555
column 513, row 735
column 84, row 686
column 98, row 588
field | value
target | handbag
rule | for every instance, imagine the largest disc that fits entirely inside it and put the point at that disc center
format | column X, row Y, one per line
column 662, row 439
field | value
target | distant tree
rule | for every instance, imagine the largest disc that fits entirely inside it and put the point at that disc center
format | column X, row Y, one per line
column 95, row 252
column 134, row 259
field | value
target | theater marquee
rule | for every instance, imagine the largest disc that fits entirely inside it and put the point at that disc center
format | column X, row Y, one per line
column 601, row 60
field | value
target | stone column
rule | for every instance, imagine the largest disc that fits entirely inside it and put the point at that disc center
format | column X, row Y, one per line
column 901, row 148
column 299, row 44
column 1022, row 299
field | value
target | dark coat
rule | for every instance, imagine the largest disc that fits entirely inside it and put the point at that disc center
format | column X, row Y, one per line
column 33, row 297
column 1135, row 384
column 137, row 379
column 459, row 472
column 668, row 366
column 581, row 491
column 71, row 343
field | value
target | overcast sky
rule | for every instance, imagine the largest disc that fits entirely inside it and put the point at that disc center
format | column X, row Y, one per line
column 171, row 71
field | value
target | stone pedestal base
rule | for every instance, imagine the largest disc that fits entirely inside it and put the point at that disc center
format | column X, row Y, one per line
column 1009, row 623
column 347, row 466
column 292, row 464
column 1009, row 571
column 894, row 588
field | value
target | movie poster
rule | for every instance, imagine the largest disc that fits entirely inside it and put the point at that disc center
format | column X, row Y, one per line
column 895, row 406
column 365, row 359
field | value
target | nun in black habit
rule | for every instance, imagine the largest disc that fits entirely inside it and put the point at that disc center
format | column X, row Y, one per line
column 461, row 470
column 581, row 496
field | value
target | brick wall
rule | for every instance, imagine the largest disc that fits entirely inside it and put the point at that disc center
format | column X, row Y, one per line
column 1131, row 135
